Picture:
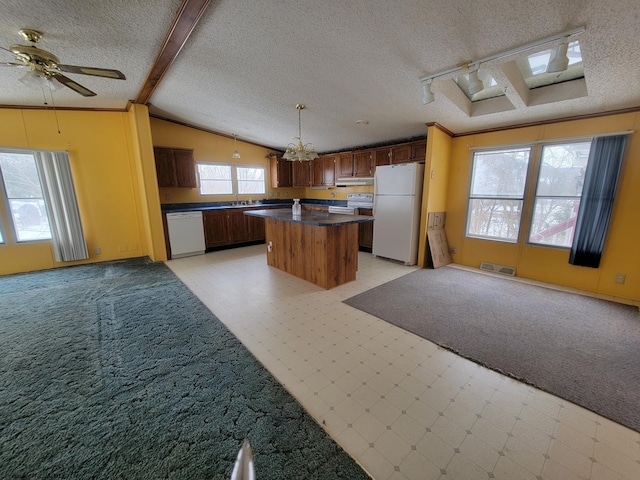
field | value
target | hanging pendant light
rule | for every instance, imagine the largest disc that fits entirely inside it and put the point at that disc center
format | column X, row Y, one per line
column 235, row 146
column 300, row 151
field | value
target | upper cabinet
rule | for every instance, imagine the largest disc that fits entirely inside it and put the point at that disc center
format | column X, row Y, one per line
column 324, row 171
column 301, row 172
column 356, row 164
column 381, row 156
column 400, row 154
column 408, row 152
column 280, row 172
column 175, row 167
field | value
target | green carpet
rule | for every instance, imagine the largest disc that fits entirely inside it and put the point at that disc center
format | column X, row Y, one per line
column 116, row 370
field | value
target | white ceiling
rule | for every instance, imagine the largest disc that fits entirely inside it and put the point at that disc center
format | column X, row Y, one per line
column 247, row 62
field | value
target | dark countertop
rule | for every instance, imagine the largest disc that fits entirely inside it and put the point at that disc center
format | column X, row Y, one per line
column 201, row 206
column 320, row 219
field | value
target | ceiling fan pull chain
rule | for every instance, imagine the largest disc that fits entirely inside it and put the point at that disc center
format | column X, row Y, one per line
column 53, row 104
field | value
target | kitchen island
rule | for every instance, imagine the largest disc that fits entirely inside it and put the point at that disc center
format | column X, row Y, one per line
column 319, row 247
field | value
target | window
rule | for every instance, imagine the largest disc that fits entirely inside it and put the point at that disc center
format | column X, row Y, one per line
column 215, row 179
column 497, row 193
column 23, row 192
column 219, row 179
column 251, row 180
column 558, row 193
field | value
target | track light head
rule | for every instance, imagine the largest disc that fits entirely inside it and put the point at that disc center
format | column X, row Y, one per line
column 475, row 85
column 427, row 93
column 559, row 61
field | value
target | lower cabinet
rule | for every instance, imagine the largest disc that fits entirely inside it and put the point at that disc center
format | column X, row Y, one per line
column 365, row 231
column 216, row 228
column 231, row 226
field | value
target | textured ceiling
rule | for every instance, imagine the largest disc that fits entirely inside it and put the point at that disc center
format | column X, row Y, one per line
column 248, row 63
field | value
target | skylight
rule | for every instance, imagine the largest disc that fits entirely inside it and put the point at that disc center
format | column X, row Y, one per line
column 534, row 67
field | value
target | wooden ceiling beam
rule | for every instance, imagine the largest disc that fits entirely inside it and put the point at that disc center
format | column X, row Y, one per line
column 187, row 17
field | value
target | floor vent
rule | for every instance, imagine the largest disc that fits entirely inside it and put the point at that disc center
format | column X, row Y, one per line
column 495, row 268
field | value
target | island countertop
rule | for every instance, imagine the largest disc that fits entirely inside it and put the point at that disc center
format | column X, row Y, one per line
column 319, row 219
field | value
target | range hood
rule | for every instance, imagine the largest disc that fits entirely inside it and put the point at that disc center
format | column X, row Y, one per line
column 354, row 181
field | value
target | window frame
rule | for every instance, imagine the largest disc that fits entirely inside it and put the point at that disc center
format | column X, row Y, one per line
column 255, row 167
column 219, row 164
column 6, row 202
column 535, row 178
column 522, row 227
column 235, row 185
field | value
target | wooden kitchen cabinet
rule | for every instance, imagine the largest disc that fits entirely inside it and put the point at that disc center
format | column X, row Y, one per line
column 256, row 229
column 400, row 154
column 344, row 165
column 324, row 171
column 409, row 152
column 363, row 164
column 381, row 156
column 231, row 226
column 280, row 172
column 216, row 228
column 238, row 224
column 419, row 151
column 365, row 231
column 175, row 167
column 356, row 164
column 301, row 172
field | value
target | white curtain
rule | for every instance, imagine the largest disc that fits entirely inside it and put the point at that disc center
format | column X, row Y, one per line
column 62, row 206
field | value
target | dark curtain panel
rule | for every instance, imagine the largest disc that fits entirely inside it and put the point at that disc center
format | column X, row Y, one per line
column 600, row 183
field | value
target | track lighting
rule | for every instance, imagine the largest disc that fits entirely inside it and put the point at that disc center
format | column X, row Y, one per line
column 427, row 93
column 475, row 85
column 559, row 62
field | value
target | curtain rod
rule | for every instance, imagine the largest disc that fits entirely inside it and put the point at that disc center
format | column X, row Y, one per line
column 551, row 140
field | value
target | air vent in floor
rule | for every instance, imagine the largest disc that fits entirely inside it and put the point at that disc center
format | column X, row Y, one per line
column 495, row 268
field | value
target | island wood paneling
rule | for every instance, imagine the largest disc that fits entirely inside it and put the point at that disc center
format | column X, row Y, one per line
column 324, row 255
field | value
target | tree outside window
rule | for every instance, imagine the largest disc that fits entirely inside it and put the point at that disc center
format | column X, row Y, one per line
column 497, row 194
column 24, row 194
column 558, row 193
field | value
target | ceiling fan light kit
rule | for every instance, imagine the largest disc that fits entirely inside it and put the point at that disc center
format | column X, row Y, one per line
column 44, row 67
column 300, row 152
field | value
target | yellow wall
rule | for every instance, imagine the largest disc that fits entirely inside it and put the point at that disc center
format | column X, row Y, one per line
column 104, row 155
column 622, row 249
column 436, row 175
column 209, row 147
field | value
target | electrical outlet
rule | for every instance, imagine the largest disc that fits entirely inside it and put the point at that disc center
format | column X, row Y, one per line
column 97, row 250
column 620, row 278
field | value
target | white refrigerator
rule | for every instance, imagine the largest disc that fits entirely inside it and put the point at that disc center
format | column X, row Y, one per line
column 396, row 208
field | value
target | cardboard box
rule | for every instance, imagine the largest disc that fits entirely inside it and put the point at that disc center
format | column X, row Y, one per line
column 437, row 244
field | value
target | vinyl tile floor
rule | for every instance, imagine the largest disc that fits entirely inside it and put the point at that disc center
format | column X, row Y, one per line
column 403, row 407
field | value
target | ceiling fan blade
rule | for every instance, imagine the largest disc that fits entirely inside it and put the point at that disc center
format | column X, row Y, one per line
column 67, row 82
column 96, row 72
column 10, row 64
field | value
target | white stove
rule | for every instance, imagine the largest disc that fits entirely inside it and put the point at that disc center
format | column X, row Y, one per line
column 354, row 202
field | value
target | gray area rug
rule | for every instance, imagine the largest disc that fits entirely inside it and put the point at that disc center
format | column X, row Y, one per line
column 116, row 370
column 578, row 348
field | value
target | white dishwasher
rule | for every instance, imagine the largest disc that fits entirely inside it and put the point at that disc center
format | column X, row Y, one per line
column 186, row 234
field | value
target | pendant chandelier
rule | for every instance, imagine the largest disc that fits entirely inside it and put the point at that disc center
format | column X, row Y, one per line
column 300, row 151
column 236, row 154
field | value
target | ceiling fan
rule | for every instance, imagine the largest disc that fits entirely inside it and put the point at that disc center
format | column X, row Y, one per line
column 45, row 68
